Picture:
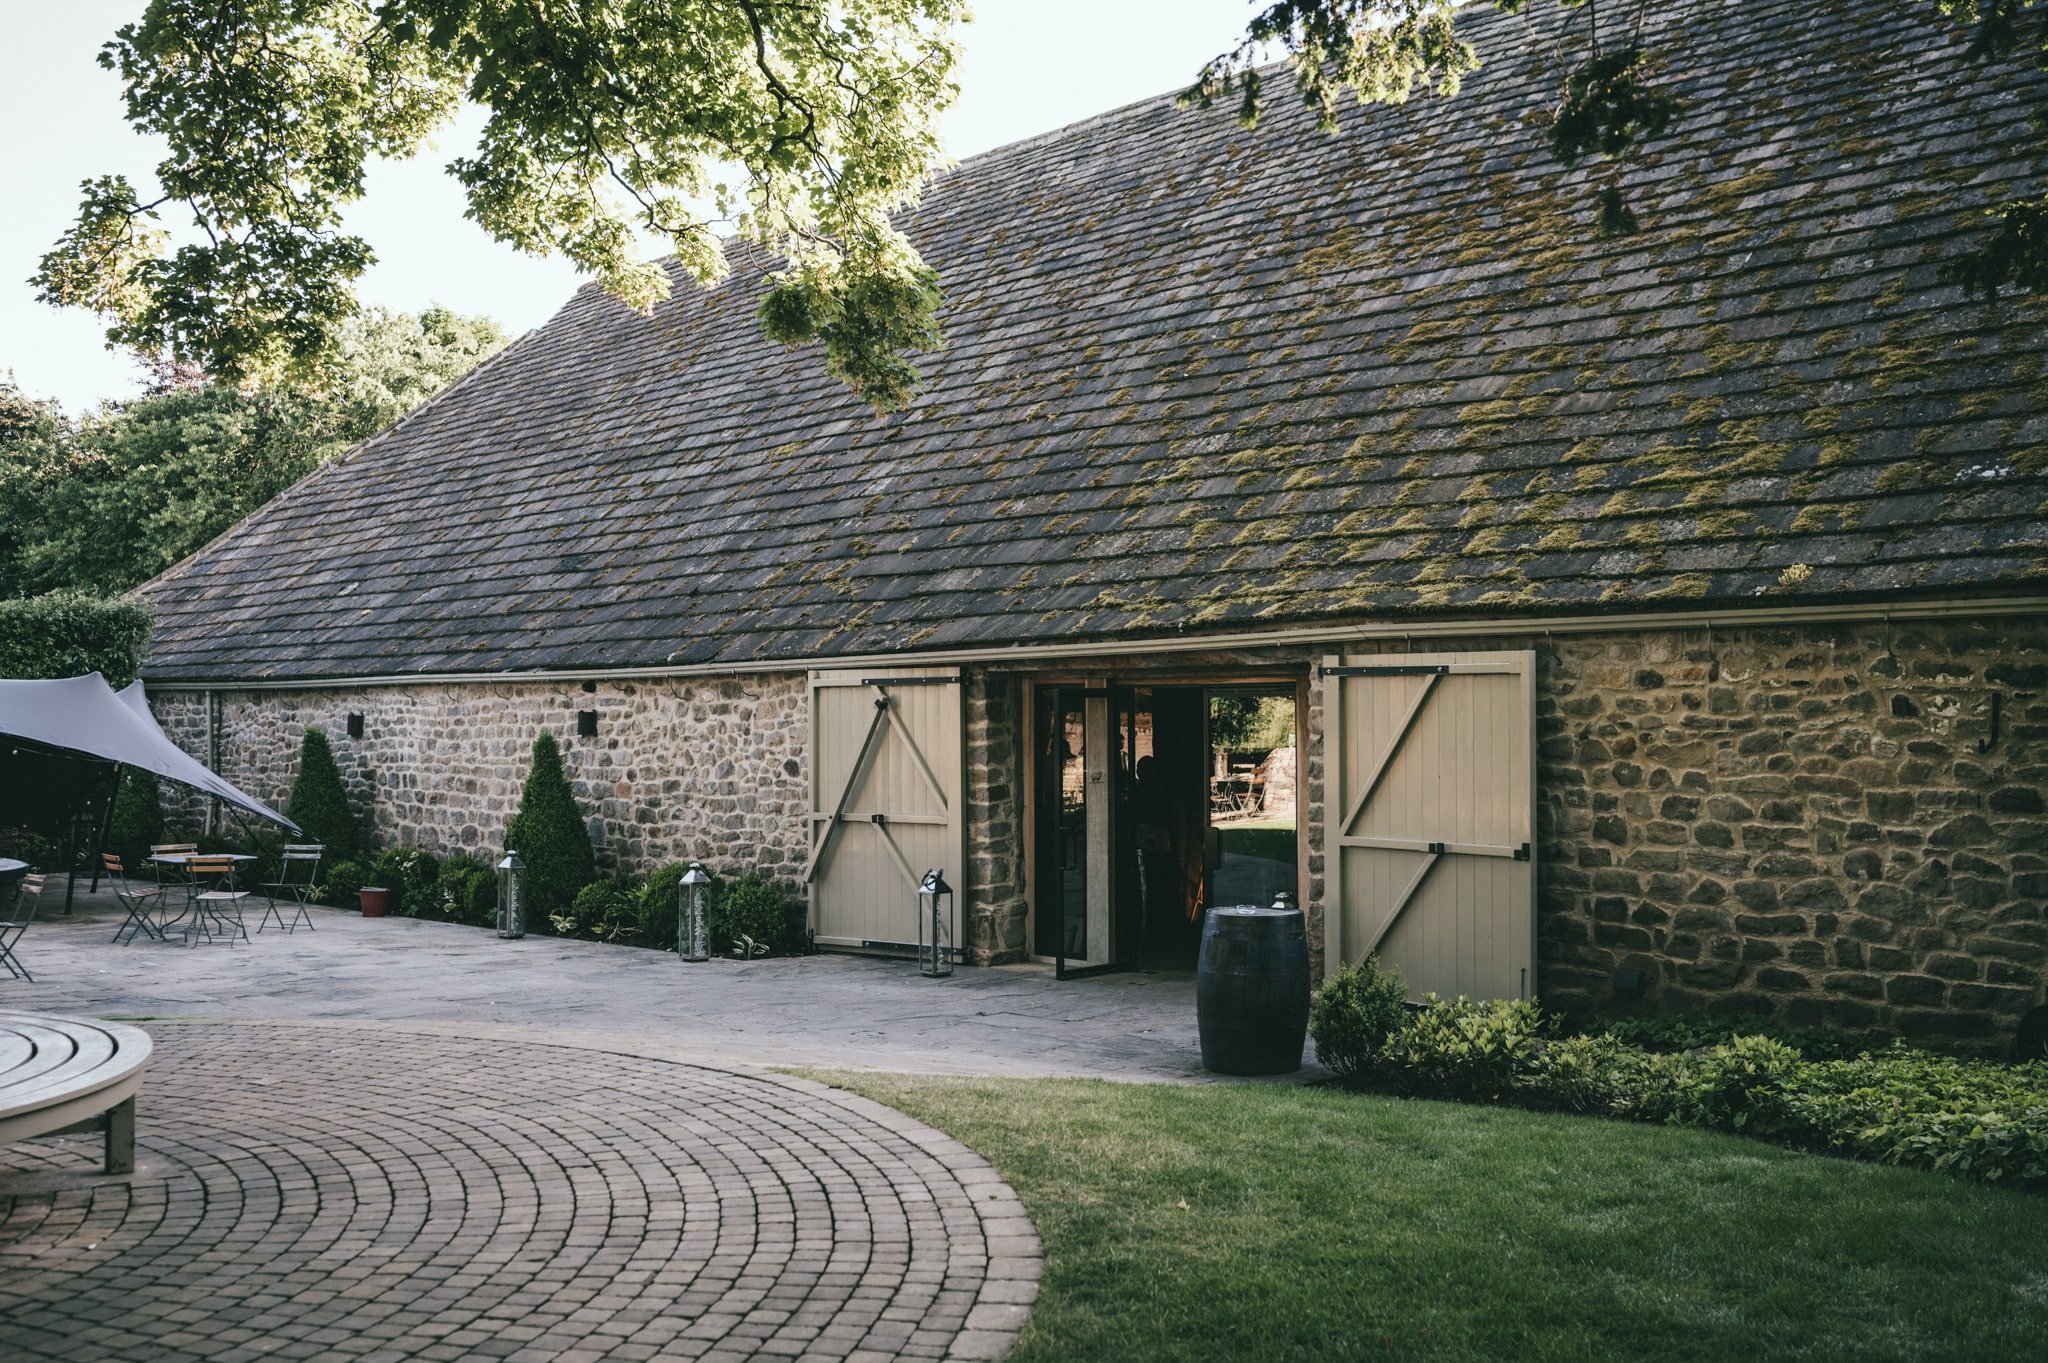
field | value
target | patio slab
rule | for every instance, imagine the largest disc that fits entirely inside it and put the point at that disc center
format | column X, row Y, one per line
column 827, row 1011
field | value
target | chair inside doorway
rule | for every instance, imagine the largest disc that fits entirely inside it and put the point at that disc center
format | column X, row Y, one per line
column 1153, row 803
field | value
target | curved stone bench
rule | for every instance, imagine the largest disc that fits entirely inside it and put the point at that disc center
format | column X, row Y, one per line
column 71, row 1074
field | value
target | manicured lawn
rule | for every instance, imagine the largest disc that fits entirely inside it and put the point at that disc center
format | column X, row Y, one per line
column 1259, row 1222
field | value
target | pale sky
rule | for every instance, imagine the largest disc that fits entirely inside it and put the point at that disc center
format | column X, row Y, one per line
column 1031, row 65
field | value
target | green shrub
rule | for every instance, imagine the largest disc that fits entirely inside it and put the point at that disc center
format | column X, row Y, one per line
column 1583, row 1073
column 748, row 909
column 1464, row 1047
column 608, row 910
column 138, row 818
column 340, row 882
column 1974, row 1118
column 468, row 891
column 68, row 633
column 413, row 878
column 550, row 837
column 1696, row 1033
column 1352, row 1016
column 1978, row 1119
column 319, row 802
column 660, row 907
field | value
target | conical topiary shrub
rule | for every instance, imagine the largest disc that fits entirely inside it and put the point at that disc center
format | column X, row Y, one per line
column 549, row 835
column 319, row 802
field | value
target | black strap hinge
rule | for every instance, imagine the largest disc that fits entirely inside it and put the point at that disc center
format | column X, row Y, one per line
column 1522, row 852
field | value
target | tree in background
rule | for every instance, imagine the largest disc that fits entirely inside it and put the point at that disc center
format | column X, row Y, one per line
column 1609, row 99
column 138, row 818
column 550, row 837
column 800, row 124
column 319, row 802
column 68, row 634
column 106, row 502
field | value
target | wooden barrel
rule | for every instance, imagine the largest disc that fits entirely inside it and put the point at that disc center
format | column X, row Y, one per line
column 1251, row 990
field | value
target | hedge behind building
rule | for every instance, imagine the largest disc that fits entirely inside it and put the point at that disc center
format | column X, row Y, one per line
column 67, row 634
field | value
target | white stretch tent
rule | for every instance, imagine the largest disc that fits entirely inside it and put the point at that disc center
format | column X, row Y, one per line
column 84, row 717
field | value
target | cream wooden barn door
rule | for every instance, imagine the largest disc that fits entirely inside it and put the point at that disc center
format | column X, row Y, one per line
column 1430, row 811
column 886, row 801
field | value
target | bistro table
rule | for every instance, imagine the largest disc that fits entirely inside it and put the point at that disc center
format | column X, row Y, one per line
column 178, row 859
column 11, row 875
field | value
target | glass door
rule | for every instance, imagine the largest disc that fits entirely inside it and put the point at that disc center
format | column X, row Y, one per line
column 1083, row 780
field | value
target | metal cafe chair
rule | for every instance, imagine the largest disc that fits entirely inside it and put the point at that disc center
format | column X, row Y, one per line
column 175, row 874
column 298, row 869
column 139, row 900
column 28, row 895
column 217, row 903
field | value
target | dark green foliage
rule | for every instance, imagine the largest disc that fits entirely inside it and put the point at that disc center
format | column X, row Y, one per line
column 1463, row 1048
column 1975, row 1118
column 413, row 878
column 1352, row 1016
column 550, row 837
column 319, row 803
column 749, row 907
column 138, row 818
column 659, row 906
column 2014, row 257
column 607, row 910
column 106, row 502
column 340, row 881
column 1693, row 1033
column 68, row 633
column 468, row 892
column 1608, row 106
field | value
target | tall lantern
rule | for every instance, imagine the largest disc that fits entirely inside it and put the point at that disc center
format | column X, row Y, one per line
column 934, row 913
column 511, row 912
column 693, row 943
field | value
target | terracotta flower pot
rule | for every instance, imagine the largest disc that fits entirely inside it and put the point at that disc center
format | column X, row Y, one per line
column 376, row 899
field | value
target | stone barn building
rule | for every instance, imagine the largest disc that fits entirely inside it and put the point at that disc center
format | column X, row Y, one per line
column 1652, row 623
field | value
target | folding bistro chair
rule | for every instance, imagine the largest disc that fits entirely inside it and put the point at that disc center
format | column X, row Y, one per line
column 294, row 886
column 23, row 912
column 173, row 875
column 139, row 900
column 216, row 903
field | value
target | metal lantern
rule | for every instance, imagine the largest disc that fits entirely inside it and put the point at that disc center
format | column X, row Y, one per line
column 511, row 912
column 692, row 942
column 934, row 912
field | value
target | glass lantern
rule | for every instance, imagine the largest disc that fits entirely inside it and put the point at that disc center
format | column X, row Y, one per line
column 934, row 938
column 511, row 912
column 693, row 942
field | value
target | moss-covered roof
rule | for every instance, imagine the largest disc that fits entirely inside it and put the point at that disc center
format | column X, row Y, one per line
column 1200, row 379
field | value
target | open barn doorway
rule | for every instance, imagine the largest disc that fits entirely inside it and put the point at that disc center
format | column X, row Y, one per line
column 1152, row 803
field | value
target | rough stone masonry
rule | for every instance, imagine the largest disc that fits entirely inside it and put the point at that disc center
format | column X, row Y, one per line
column 1820, row 823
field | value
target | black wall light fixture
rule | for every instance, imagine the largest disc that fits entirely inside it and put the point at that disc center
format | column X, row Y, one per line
column 586, row 724
column 355, row 726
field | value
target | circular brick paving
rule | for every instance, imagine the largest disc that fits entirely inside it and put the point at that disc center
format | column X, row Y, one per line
column 302, row 1192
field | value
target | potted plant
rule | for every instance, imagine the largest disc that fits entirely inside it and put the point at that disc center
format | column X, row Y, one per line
column 376, row 900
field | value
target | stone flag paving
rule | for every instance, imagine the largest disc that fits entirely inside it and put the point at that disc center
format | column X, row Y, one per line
column 370, row 1193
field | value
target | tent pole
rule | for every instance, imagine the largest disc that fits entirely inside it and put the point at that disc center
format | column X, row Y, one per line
column 99, row 842
column 71, row 863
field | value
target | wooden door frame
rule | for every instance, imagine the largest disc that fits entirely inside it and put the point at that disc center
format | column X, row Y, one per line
column 1301, row 677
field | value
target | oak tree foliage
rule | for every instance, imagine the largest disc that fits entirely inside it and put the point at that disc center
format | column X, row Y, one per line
column 107, row 500
column 1610, row 97
column 796, row 124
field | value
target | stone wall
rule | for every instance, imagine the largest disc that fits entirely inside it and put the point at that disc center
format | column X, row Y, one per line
column 713, row 769
column 1791, row 821
column 994, row 892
